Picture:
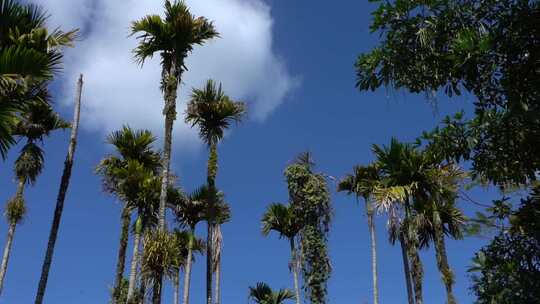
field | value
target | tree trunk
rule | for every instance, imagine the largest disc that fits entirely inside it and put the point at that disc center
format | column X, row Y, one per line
column 64, row 183
column 176, row 288
column 442, row 264
column 406, row 268
column 10, row 235
column 7, row 251
column 156, row 290
column 417, row 274
column 218, row 238
column 171, row 85
column 371, row 226
column 189, row 261
column 294, row 268
column 121, row 262
column 134, row 262
column 209, row 263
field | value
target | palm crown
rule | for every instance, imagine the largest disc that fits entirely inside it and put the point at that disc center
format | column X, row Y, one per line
column 263, row 294
column 281, row 219
column 173, row 37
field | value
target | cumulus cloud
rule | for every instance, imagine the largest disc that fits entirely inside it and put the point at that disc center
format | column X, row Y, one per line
column 117, row 91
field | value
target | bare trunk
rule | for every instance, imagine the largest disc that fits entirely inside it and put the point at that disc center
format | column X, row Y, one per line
column 209, row 263
column 7, row 251
column 406, row 268
column 176, row 288
column 442, row 264
column 68, row 164
column 218, row 283
column 134, row 265
column 10, row 235
column 121, row 262
column 218, row 239
column 187, row 274
column 371, row 226
column 294, row 268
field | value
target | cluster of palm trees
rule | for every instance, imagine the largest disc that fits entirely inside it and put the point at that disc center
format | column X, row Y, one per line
column 410, row 184
column 418, row 191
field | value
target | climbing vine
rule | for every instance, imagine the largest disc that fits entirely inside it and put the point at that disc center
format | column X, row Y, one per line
column 310, row 198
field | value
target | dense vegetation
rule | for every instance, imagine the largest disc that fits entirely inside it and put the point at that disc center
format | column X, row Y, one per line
column 486, row 48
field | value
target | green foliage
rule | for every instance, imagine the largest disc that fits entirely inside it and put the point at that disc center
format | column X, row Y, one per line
column 487, row 48
column 507, row 270
column 160, row 256
column 119, row 293
column 281, row 219
column 263, row 294
column 310, row 200
column 15, row 209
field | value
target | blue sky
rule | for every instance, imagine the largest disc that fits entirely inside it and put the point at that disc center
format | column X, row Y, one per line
column 313, row 106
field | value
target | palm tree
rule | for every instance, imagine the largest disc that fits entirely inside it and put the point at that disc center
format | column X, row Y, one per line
column 174, row 38
column 189, row 211
column 64, row 184
column 30, row 54
column 362, row 183
column 213, row 112
column 263, row 294
column 130, row 145
column 37, row 122
column 283, row 220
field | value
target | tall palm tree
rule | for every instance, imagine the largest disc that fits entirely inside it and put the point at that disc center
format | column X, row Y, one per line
column 212, row 112
column 130, row 145
column 282, row 219
column 188, row 243
column 263, row 294
column 30, row 54
column 362, row 183
column 189, row 211
column 173, row 38
column 37, row 122
column 64, row 184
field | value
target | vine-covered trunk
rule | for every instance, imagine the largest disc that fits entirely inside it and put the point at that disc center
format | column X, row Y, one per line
column 417, row 274
column 64, row 183
column 156, row 289
column 170, row 88
column 406, row 268
column 189, row 261
column 442, row 264
column 10, row 236
column 371, row 226
column 295, row 270
column 134, row 262
column 122, row 248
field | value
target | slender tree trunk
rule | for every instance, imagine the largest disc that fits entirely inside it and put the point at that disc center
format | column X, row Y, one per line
column 171, row 85
column 189, row 261
column 371, row 226
column 442, row 264
column 156, row 290
column 406, row 268
column 7, row 251
column 122, row 248
column 134, row 262
column 142, row 290
column 417, row 274
column 218, row 239
column 10, row 236
column 176, row 288
column 294, row 268
column 68, row 164
column 209, row 263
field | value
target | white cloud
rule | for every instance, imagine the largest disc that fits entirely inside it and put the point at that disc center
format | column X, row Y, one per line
column 117, row 91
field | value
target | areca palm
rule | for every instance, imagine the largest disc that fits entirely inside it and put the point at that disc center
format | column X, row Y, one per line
column 283, row 220
column 37, row 122
column 212, row 112
column 130, row 145
column 362, row 183
column 263, row 294
column 173, row 37
column 188, row 244
column 29, row 56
